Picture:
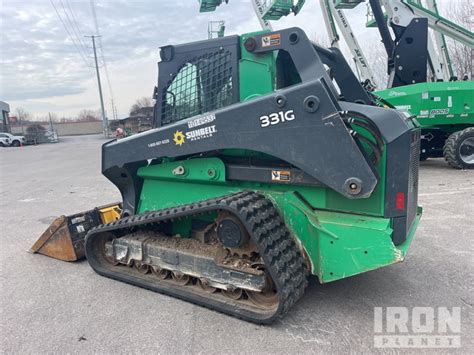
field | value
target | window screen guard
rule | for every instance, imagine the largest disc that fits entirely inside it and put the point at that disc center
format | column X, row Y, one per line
column 196, row 78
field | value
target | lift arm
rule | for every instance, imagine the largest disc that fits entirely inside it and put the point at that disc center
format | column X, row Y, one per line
column 393, row 19
column 329, row 22
column 408, row 52
column 402, row 12
column 363, row 69
column 441, row 44
column 401, row 16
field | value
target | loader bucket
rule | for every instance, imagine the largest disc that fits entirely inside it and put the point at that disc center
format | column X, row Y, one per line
column 64, row 238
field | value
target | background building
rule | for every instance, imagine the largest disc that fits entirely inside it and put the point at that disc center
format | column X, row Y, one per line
column 4, row 121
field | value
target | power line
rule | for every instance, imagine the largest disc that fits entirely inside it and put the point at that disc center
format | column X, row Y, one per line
column 71, row 26
column 73, row 23
column 76, row 25
column 69, row 34
column 68, row 3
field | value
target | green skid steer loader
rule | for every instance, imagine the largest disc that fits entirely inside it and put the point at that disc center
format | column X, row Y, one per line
column 259, row 171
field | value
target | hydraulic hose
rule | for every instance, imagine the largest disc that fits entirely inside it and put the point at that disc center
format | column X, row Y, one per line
column 382, row 100
column 375, row 149
column 363, row 121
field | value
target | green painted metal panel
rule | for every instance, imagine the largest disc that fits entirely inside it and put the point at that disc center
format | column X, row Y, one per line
column 341, row 244
column 206, row 169
column 205, row 172
column 337, row 244
column 158, row 194
column 435, row 104
column 202, row 179
column 373, row 205
column 256, row 72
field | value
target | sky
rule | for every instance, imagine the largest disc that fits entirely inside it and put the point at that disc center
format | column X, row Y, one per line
column 46, row 69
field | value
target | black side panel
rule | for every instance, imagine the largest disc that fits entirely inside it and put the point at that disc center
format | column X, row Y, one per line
column 313, row 138
column 401, row 202
column 196, row 78
column 390, row 123
column 412, row 197
column 399, row 225
column 125, row 177
column 410, row 56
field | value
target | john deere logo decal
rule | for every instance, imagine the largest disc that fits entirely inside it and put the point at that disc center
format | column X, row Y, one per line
column 178, row 138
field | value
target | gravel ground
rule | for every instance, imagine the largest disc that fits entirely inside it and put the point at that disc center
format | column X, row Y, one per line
column 48, row 306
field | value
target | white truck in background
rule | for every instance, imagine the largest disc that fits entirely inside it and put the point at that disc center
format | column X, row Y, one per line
column 10, row 140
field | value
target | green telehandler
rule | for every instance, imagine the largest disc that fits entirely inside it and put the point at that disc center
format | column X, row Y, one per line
column 259, row 172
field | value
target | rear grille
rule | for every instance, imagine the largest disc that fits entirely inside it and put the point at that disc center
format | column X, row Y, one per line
column 412, row 198
column 202, row 84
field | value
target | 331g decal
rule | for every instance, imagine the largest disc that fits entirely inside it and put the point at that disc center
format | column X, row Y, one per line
column 275, row 118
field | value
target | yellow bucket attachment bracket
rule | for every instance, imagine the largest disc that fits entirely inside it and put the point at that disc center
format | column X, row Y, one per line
column 64, row 238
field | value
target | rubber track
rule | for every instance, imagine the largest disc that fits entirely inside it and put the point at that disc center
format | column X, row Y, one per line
column 450, row 149
column 281, row 255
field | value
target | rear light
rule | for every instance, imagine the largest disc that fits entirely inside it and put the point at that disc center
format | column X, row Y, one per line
column 400, row 201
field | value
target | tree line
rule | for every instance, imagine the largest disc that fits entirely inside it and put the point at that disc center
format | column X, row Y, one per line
column 85, row 115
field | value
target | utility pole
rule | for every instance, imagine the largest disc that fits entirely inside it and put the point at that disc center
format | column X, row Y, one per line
column 105, row 124
column 114, row 109
column 50, row 121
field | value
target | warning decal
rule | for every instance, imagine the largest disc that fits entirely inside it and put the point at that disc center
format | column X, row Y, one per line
column 271, row 40
column 281, row 175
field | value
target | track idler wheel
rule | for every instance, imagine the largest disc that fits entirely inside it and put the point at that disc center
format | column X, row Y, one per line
column 162, row 274
column 268, row 297
column 180, row 278
column 235, row 294
column 204, row 284
column 142, row 268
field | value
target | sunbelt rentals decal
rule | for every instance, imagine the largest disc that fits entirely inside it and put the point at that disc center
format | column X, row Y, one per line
column 180, row 136
column 201, row 133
